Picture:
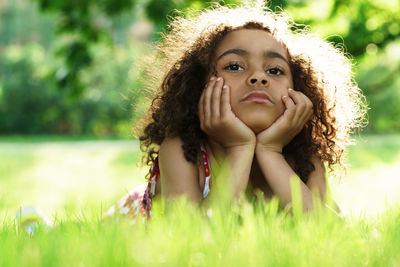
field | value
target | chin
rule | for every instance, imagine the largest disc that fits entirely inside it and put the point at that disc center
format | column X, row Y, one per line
column 257, row 118
column 258, row 122
column 257, row 128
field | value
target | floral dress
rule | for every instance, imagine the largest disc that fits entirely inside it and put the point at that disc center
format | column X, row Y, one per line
column 138, row 201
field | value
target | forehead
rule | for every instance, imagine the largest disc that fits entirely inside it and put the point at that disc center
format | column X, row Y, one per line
column 252, row 40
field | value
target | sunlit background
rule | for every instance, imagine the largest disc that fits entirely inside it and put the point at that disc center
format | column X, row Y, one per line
column 69, row 91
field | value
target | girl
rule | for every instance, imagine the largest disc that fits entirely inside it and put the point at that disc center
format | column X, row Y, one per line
column 241, row 86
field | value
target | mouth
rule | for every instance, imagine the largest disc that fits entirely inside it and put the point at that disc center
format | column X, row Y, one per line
column 258, row 97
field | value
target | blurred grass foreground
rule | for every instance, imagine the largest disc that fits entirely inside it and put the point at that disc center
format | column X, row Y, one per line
column 75, row 181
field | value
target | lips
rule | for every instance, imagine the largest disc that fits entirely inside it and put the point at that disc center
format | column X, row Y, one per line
column 258, row 97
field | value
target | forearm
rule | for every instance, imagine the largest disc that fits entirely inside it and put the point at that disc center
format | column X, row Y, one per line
column 233, row 170
column 278, row 173
column 240, row 162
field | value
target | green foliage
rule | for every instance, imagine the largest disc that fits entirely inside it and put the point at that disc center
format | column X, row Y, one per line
column 28, row 101
column 70, row 33
column 86, row 22
column 160, row 11
column 370, row 22
column 22, row 24
column 30, row 104
column 378, row 76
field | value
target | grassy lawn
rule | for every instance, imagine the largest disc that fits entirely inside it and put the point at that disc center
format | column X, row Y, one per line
column 74, row 180
column 372, row 182
column 66, row 175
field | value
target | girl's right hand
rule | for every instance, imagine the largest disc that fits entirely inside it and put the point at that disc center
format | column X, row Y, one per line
column 217, row 119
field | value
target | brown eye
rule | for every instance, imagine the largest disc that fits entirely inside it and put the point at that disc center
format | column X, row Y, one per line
column 275, row 71
column 233, row 67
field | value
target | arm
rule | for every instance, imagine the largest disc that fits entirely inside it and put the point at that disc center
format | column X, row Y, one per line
column 271, row 141
column 238, row 161
column 224, row 128
column 278, row 173
column 317, row 179
column 178, row 176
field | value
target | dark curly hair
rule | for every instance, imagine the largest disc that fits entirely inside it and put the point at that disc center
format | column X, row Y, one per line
column 182, row 62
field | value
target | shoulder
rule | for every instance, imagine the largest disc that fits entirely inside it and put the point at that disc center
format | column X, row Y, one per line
column 171, row 150
column 178, row 176
column 171, row 143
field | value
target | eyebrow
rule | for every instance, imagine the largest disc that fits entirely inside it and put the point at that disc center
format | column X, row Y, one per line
column 241, row 52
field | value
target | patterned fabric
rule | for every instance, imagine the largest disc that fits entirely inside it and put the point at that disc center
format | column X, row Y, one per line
column 138, row 201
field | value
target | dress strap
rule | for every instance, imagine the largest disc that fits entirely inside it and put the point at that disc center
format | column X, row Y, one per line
column 207, row 171
column 154, row 175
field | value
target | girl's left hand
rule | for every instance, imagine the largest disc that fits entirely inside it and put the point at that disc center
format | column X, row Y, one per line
column 299, row 109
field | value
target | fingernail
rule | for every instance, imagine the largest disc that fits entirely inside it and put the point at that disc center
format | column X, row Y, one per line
column 290, row 90
column 219, row 79
column 284, row 97
column 225, row 86
column 212, row 78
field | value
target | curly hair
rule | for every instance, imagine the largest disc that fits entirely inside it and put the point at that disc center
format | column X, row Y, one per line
column 182, row 62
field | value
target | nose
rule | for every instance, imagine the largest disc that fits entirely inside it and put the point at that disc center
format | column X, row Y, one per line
column 257, row 79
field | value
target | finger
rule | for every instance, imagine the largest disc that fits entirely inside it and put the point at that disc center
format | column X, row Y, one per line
column 296, row 96
column 207, row 100
column 225, row 102
column 301, row 104
column 216, row 98
column 307, row 110
column 309, row 107
column 295, row 114
column 290, row 107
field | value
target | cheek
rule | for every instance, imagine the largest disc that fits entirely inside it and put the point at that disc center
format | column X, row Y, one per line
column 234, row 91
column 236, row 104
column 231, row 82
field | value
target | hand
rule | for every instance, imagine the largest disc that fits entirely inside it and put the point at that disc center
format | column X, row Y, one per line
column 299, row 109
column 217, row 119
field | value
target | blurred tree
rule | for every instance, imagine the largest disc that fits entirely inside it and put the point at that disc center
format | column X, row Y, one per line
column 22, row 24
column 158, row 11
column 31, row 104
column 369, row 30
column 28, row 101
column 84, row 22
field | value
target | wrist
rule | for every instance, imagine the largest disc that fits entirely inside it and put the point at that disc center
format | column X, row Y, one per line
column 268, row 156
column 241, row 148
column 268, row 149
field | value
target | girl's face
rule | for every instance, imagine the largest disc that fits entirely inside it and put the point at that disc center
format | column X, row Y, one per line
column 256, row 68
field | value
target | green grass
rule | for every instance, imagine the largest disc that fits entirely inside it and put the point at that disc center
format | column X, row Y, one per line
column 74, row 181
column 372, row 181
column 375, row 149
column 68, row 175
column 249, row 235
